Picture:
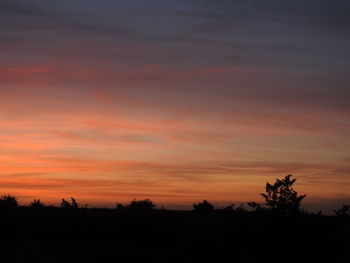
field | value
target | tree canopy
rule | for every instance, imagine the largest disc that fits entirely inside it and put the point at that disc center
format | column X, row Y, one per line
column 281, row 196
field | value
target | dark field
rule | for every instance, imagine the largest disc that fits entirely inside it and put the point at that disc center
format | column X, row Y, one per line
column 52, row 234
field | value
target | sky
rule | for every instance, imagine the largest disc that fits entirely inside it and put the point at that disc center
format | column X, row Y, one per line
column 176, row 101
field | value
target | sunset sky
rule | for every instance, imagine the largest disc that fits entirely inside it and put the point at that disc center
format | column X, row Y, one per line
column 176, row 101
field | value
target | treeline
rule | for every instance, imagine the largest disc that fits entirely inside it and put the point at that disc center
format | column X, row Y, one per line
column 275, row 230
column 279, row 198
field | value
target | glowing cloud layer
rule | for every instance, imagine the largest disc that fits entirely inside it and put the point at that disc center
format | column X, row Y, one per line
column 111, row 101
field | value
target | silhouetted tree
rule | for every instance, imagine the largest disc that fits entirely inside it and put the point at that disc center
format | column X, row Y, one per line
column 69, row 205
column 203, row 207
column 281, row 196
column 141, row 205
column 36, row 204
column 344, row 211
column 8, row 202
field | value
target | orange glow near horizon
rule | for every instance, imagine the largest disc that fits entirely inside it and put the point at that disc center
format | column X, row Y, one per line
column 100, row 155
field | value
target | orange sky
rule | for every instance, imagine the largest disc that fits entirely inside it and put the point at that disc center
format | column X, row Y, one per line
column 102, row 149
column 106, row 117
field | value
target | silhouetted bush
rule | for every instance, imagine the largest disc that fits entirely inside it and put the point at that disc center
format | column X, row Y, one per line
column 140, row 205
column 36, row 204
column 8, row 202
column 203, row 207
column 281, row 196
column 344, row 211
column 69, row 205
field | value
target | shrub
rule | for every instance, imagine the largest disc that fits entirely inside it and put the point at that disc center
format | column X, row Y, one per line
column 69, row 205
column 141, row 205
column 281, row 196
column 344, row 211
column 203, row 207
column 36, row 204
column 8, row 202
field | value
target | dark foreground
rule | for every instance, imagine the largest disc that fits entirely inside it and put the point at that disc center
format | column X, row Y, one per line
column 107, row 235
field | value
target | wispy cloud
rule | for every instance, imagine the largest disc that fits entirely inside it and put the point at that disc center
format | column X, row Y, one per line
column 173, row 100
